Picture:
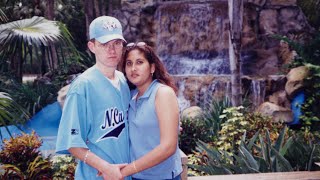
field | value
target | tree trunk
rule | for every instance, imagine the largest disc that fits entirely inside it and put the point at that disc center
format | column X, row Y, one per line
column 16, row 66
column 97, row 8
column 50, row 15
column 103, row 8
column 50, row 10
column 235, row 18
column 89, row 13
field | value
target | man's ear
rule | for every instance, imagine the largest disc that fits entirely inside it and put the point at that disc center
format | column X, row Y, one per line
column 91, row 46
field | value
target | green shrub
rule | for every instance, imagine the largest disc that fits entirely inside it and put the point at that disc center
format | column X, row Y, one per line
column 64, row 166
column 259, row 155
column 205, row 127
column 232, row 129
column 310, row 108
column 32, row 97
column 255, row 155
column 309, row 55
column 237, row 122
column 10, row 111
column 306, row 146
column 212, row 119
column 192, row 131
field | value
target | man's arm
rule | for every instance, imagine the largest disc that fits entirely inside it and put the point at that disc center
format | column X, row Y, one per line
column 107, row 170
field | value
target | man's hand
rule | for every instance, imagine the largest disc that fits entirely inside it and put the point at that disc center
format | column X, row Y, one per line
column 112, row 172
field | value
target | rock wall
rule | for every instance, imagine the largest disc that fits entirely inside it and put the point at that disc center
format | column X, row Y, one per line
column 191, row 38
column 192, row 33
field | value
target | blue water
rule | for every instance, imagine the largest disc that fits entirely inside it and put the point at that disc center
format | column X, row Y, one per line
column 45, row 123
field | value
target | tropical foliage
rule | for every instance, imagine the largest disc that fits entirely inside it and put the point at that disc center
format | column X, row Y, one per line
column 312, row 10
column 3, row 17
column 20, row 158
column 205, row 127
column 211, row 116
column 32, row 96
column 192, row 131
column 64, row 166
column 10, row 112
column 28, row 40
column 237, row 122
column 257, row 155
column 309, row 55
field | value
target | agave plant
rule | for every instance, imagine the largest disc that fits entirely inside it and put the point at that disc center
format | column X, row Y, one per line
column 253, row 156
column 32, row 39
column 212, row 114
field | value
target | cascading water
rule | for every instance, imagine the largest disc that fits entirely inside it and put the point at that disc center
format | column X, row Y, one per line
column 192, row 40
column 188, row 65
column 258, row 91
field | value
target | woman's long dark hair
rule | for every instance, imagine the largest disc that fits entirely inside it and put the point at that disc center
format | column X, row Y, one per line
column 160, row 73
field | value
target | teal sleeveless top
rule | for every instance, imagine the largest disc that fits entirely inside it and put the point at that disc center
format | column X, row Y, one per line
column 144, row 134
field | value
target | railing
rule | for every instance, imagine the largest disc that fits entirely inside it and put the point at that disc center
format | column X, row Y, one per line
column 301, row 175
column 184, row 160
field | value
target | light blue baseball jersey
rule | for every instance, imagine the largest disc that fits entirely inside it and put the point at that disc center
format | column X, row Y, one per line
column 144, row 135
column 95, row 117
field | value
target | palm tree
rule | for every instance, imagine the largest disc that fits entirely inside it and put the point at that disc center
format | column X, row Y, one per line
column 31, row 39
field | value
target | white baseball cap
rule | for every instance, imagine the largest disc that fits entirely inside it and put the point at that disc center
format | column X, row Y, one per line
column 105, row 29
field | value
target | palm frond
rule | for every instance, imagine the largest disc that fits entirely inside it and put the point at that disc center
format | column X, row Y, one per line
column 35, row 40
column 10, row 112
column 35, row 30
column 3, row 17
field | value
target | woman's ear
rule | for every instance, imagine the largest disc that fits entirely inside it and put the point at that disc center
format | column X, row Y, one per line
column 91, row 46
column 153, row 68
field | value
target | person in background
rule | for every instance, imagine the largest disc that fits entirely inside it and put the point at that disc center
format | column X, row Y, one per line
column 93, row 126
column 153, row 116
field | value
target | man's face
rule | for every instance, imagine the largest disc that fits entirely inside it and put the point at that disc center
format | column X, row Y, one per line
column 107, row 54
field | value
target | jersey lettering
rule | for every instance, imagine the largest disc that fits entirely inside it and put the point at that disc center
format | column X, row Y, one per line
column 112, row 118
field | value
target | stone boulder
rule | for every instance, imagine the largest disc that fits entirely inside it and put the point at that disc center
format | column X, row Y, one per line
column 282, row 2
column 285, row 53
column 192, row 112
column 278, row 113
column 280, row 98
column 295, row 80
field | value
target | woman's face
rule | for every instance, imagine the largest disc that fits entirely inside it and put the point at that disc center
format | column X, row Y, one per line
column 138, row 69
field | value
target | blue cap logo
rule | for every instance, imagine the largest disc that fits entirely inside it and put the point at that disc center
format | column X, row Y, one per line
column 105, row 29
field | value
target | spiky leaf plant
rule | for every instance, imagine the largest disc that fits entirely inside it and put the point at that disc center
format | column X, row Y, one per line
column 252, row 156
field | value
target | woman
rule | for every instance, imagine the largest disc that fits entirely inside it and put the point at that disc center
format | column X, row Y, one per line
column 153, row 116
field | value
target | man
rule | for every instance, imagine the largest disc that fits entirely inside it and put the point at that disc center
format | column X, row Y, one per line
column 93, row 126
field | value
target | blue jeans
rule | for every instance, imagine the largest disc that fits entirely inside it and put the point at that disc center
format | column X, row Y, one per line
column 175, row 178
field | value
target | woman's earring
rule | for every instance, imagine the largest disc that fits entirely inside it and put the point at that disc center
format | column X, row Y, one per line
column 151, row 74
